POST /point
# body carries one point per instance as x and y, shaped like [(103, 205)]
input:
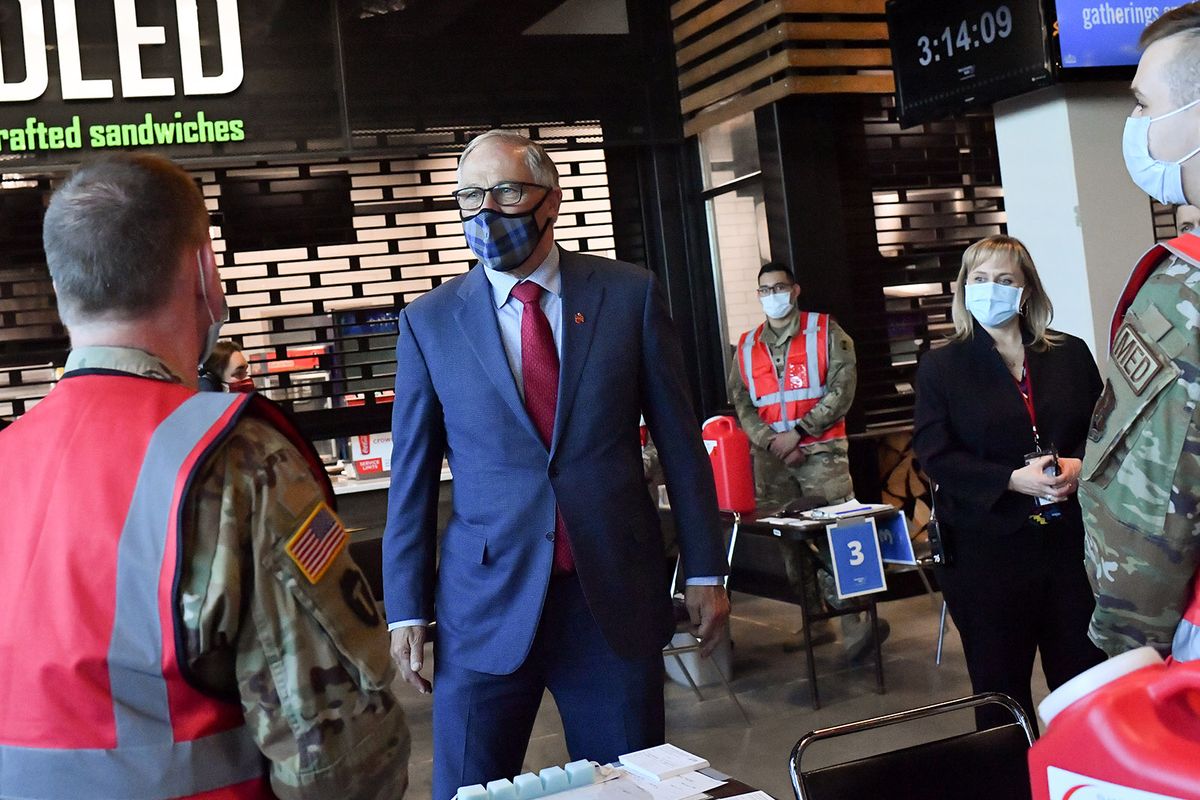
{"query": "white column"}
[(1070, 200)]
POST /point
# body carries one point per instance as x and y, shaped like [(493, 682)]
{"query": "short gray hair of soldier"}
[(1183, 72), (114, 234), (541, 166)]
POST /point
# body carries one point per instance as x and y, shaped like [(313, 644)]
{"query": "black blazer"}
[(971, 428)]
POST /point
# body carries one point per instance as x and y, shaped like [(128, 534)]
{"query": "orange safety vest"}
[(94, 701), (1186, 644), (806, 367)]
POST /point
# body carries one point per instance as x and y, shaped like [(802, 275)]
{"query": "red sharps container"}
[(1127, 729), (729, 451)]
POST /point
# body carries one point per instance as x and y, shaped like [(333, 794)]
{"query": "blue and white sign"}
[(857, 561), (894, 543), (1103, 34)]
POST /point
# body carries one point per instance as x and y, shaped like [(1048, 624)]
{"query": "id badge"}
[(1052, 469)]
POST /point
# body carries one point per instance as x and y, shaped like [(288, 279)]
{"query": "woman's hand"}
[(1030, 480)]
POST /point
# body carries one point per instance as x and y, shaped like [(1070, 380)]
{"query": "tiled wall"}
[(317, 320)]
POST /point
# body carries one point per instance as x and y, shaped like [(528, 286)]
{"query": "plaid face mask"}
[(504, 241)]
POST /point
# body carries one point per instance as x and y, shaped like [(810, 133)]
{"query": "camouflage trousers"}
[(823, 478)]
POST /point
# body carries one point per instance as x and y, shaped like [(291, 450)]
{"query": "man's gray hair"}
[(536, 158), (114, 234)]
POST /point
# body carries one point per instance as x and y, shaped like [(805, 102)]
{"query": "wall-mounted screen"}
[(952, 56), (1095, 34)]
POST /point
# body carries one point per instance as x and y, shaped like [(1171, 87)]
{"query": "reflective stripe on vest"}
[(815, 332), (147, 763), (1186, 644)]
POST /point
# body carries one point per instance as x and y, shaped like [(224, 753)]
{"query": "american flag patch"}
[(317, 543)]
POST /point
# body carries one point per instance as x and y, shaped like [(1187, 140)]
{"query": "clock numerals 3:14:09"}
[(991, 27)]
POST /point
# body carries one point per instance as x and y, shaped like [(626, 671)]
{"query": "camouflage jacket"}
[(308, 662), (840, 382), (1140, 487)]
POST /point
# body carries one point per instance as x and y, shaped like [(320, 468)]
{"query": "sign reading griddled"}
[(186, 77)]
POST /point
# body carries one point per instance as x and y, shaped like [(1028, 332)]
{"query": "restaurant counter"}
[(362, 505)]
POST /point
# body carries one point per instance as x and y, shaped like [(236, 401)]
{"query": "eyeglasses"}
[(508, 193), (779, 288)]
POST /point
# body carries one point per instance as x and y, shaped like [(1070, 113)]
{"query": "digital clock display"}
[(951, 56)]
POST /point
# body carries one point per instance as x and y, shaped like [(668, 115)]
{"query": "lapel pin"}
[(578, 317)]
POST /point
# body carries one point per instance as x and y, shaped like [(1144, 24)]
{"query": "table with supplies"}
[(663, 772), (863, 537)]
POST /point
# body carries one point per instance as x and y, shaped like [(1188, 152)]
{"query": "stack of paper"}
[(662, 762), (668, 773)]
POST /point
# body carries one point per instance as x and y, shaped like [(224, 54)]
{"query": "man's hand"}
[(1068, 481), (795, 457), (408, 651), (784, 443), (708, 607)]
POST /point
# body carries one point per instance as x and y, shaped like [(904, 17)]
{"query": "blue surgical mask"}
[(1162, 180), (992, 304), (504, 241), (777, 306), (214, 327)]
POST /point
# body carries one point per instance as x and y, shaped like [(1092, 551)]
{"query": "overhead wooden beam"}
[(737, 55)]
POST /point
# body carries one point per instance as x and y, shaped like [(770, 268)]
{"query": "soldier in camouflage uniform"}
[(1141, 472), (805, 465), (304, 655)]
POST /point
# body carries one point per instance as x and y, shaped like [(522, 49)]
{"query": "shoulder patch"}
[(317, 542), (1134, 359), (1101, 413), (1156, 324)]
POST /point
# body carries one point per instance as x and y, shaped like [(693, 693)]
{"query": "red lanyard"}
[(1022, 386)]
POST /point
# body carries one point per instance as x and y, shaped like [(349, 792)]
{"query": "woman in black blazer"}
[(1006, 386)]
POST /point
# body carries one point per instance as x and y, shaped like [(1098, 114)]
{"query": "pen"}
[(851, 511)]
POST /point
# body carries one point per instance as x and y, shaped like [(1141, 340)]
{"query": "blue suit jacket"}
[(455, 395)]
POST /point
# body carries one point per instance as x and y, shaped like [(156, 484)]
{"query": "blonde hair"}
[(1036, 310)]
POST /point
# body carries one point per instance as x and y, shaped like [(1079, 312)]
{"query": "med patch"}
[(1137, 362)]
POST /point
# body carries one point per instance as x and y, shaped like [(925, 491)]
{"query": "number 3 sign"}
[(857, 562)]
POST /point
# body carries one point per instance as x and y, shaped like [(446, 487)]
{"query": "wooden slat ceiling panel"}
[(737, 55), (829, 84)]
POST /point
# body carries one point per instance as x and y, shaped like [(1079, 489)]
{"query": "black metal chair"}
[(980, 765)]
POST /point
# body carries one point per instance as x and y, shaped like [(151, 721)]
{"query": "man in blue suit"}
[(529, 373)]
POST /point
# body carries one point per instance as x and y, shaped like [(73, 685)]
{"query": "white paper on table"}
[(661, 762), (760, 795), (680, 787), (791, 522)]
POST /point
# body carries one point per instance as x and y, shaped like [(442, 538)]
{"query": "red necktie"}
[(539, 374)]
